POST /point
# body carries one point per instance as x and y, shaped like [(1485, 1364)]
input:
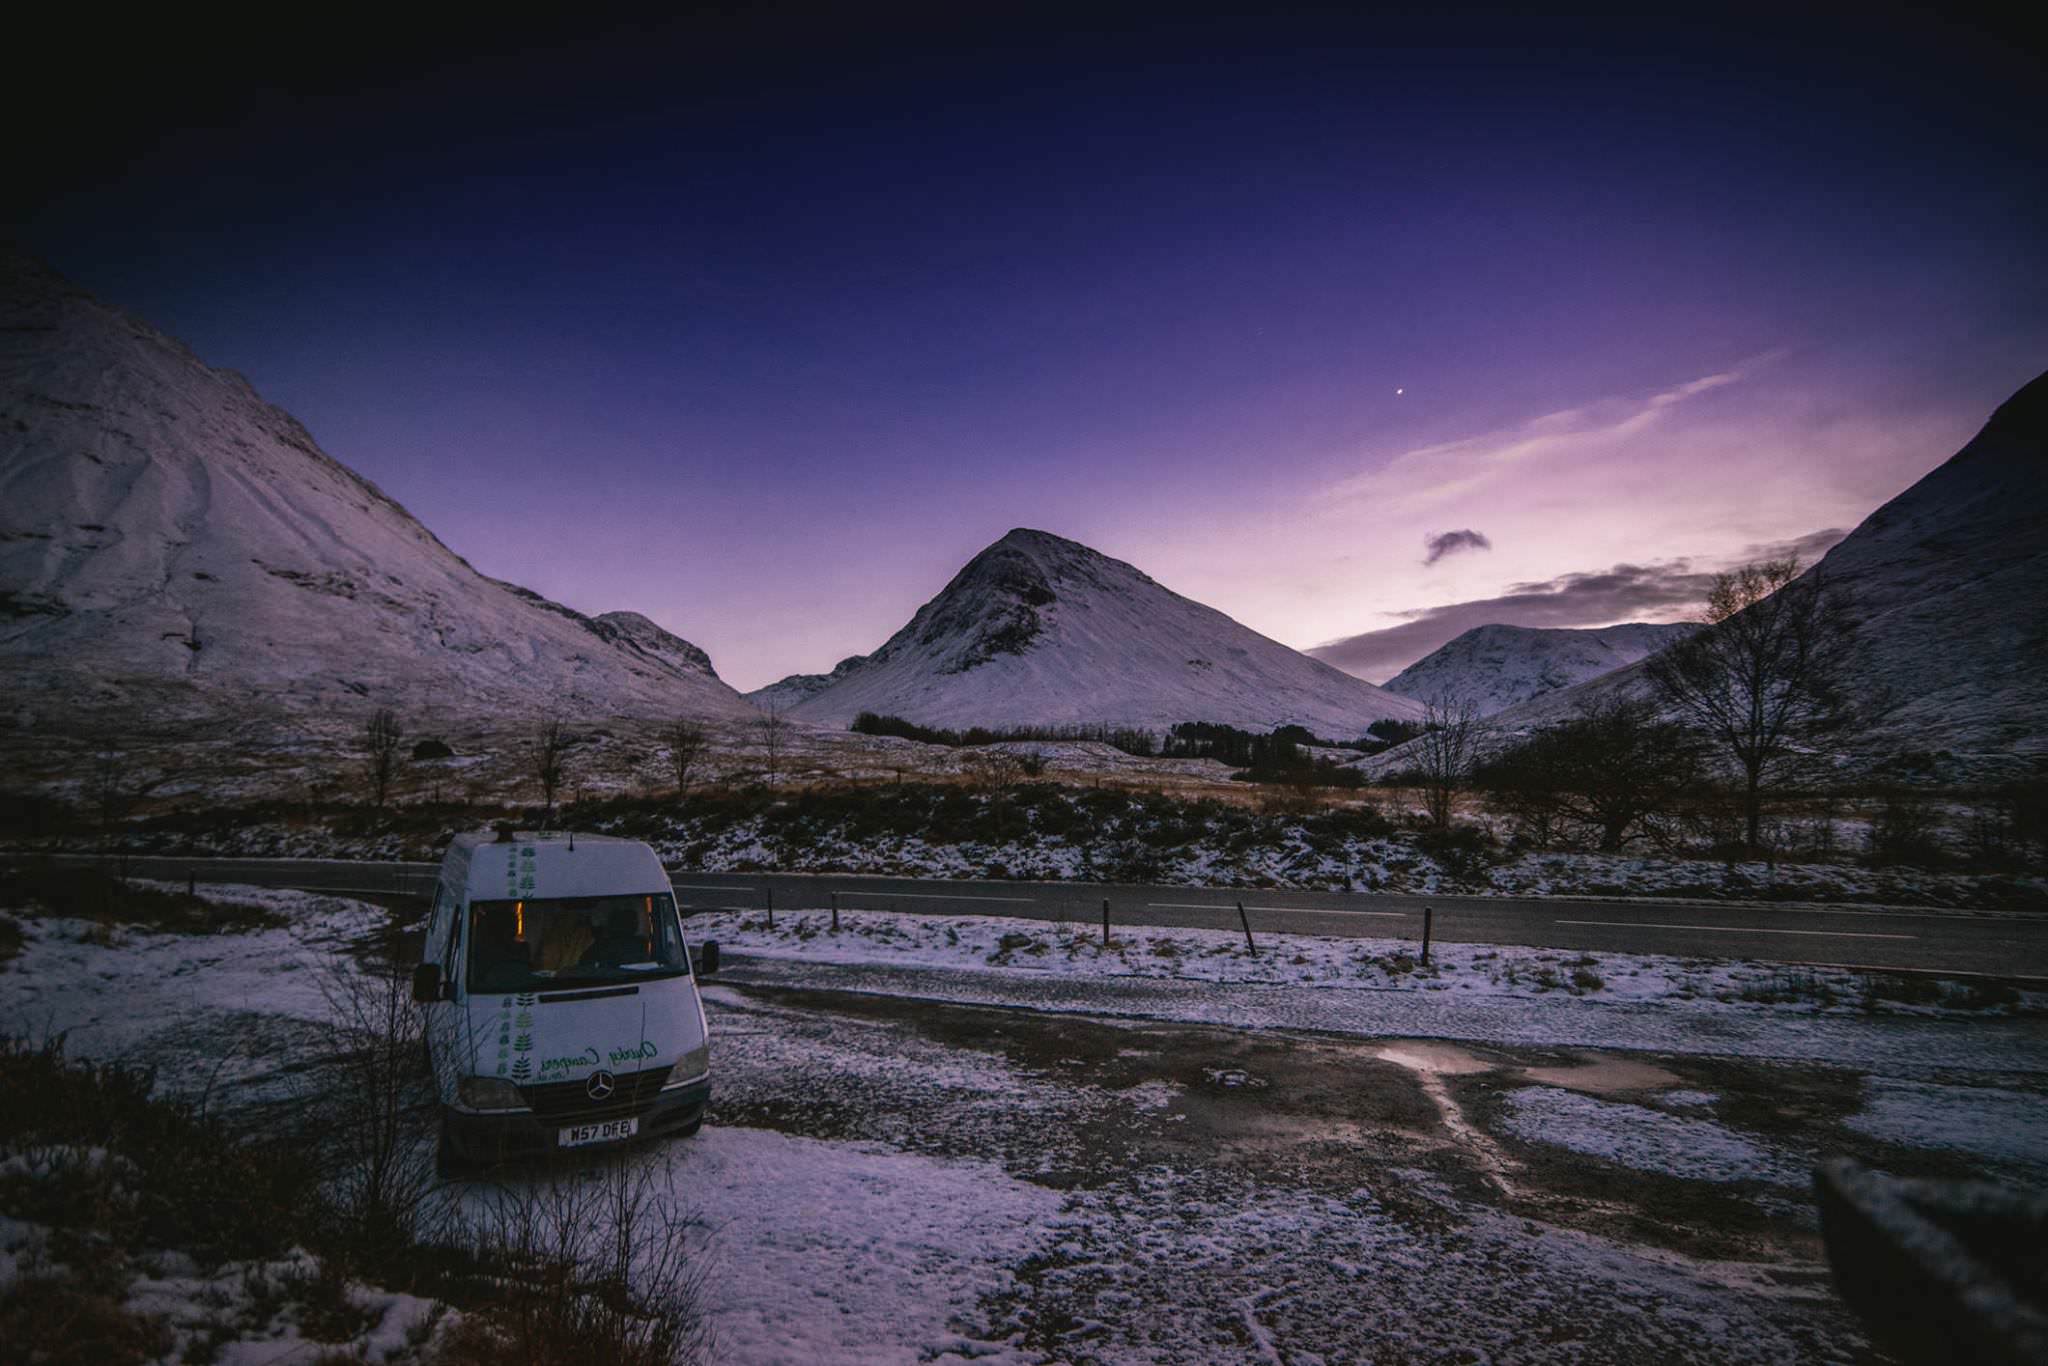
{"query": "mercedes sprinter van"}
[(561, 1007)]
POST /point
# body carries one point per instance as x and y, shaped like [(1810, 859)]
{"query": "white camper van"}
[(561, 1005)]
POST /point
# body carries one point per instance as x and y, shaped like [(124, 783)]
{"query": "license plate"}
[(611, 1131)]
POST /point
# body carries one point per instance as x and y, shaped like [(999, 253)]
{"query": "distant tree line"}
[(1128, 739), (1279, 756)]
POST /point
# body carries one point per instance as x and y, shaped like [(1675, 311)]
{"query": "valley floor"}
[(917, 1154)]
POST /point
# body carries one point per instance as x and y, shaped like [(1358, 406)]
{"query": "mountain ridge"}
[(1036, 629)]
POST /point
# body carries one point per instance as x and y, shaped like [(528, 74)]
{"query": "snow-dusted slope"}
[(785, 693), (1495, 667), (1947, 583), (1039, 630), (1950, 586), (172, 544)]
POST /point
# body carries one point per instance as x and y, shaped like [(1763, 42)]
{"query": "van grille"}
[(569, 1101)]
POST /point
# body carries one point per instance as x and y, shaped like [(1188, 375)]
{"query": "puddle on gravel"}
[(1431, 1063), (1434, 1059), (1604, 1075)]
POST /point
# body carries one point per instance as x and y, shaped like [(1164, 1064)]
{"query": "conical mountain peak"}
[(1038, 629)]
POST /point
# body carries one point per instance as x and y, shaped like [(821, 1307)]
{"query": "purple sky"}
[(763, 328)]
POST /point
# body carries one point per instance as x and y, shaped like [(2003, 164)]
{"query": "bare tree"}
[(381, 737), (107, 783), (687, 745), (1444, 753), (774, 728), (115, 786), (1764, 681), (550, 761)]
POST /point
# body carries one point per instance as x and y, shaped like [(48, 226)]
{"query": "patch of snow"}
[(1647, 1140), (2007, 1126), (849, 1251)]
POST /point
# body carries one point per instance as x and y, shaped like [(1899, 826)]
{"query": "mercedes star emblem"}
[(601, 1086)]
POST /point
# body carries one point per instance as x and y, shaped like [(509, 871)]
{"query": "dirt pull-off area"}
[(1299, 1197)]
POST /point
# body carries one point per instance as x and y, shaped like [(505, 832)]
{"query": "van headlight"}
[(690, 1066), (488, 1093)]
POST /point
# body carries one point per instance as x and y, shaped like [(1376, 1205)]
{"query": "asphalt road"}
[(2000, 944)]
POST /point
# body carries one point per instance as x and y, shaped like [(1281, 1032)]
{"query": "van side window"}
[(437, 927), (451, 949)]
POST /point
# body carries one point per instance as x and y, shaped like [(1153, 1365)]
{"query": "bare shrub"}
[(60, 1315), (1904, 830), (376, 1104), (583, 1266), (2007, 826), (1612, 772)]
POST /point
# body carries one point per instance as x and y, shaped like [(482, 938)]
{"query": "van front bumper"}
[(507, 1135)]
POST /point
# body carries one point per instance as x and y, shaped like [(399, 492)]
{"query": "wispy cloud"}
[(1667, 590), (1429, 476)]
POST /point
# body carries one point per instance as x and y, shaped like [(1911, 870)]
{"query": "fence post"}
[(1246, 921), (1428, 914), (835, 912), (769, 892), (1105, 922)]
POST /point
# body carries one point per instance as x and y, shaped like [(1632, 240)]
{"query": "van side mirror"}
[(707, 958), (426, 983)]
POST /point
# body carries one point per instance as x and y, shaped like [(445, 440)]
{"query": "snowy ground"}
[(1144, 1156), (1457, 971)]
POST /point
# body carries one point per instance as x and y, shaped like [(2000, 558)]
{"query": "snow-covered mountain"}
[(1039, 630), (172, 545), (1494, 667), (1947, 583), (785, 693)]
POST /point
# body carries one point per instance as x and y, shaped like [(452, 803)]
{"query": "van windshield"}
[(564, 941)]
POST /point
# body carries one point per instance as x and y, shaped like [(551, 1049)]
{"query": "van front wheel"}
[(448, 1165), (690, 1130)]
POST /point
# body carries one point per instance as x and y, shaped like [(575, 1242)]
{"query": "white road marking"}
[(1278, 910), (699, 887), (937, 896), (1734, 929)]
